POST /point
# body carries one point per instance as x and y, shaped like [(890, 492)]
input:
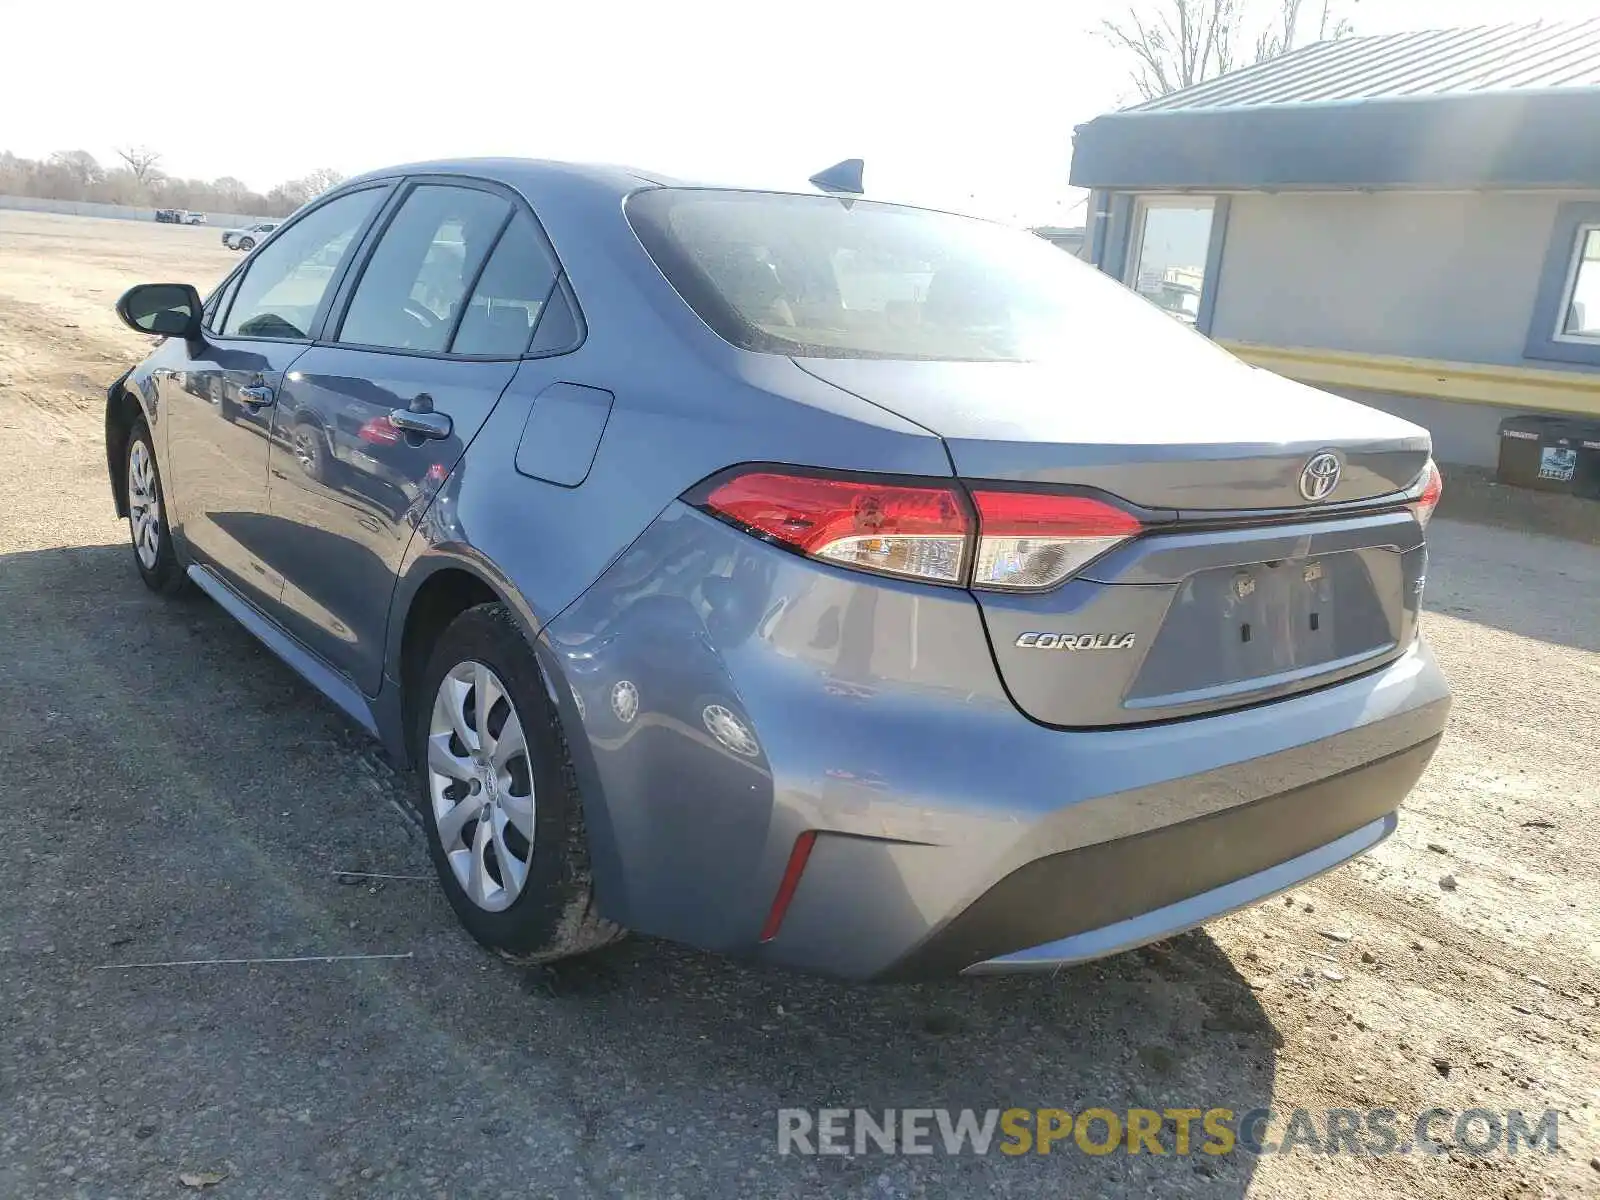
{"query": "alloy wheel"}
[(144, 505), (305, 449), (480, 784)]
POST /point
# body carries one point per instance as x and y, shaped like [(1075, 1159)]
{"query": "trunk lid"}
[(1192, 430), (1241, 590)]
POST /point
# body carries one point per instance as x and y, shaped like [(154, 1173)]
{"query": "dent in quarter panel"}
[(563, 433), (857, 699)]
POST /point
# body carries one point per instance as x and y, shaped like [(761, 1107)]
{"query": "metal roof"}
[(1492, 58)]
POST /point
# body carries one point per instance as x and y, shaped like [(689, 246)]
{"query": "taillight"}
[(1024, 541), (380, 431), (1428, 499), (916, 532), (1029, 542)]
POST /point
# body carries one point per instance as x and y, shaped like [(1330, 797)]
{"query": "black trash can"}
[(1586, 481), (1550, 453)]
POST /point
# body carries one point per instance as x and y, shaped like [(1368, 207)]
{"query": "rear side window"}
[(811, 275), (284, 284), (415, 284), (559, 330), (510, 295)]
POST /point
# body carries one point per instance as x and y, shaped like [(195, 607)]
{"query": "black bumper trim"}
[(1078, 890)]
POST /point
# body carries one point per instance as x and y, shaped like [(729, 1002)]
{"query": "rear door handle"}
[(426, 424), (257, 395)]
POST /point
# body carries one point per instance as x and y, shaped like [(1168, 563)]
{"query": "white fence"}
[(120, 212)]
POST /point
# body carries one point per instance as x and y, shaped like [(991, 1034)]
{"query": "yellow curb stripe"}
[(1474, 383)]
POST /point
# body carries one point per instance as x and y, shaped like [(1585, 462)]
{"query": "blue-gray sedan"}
[(840, 584)]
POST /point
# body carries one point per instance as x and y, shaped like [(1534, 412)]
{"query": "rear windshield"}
[(822, 277)]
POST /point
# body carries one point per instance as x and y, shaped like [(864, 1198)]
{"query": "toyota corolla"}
[(838, 584)]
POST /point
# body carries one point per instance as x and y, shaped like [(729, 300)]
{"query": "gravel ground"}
[(170, 792)]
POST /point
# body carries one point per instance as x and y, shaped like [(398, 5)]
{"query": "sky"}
[(968, 106)]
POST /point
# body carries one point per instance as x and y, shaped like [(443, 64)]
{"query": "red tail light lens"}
[(1032, 542), (1428, 500), (909, 531), (380, 431), (1024, 541)]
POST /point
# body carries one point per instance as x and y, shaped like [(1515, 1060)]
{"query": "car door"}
[(219, 419), (374, 418)]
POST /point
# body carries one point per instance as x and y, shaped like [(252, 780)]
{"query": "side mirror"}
[(164, 309)]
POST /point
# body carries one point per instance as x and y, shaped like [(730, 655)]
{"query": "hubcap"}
[(305, 451), (144, 505), (480, 783), (728, 729)]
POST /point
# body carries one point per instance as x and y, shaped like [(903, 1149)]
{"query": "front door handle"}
[(257, 395), (426, 424)]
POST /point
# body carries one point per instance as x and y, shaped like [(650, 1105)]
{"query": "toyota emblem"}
[(1320, 476)]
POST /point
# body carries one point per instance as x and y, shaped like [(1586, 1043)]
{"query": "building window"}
[(1580, 314), (1566, 318), (1168, 262), (1169, 250)]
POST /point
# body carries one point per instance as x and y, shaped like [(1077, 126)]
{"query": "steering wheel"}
[(421, 316)]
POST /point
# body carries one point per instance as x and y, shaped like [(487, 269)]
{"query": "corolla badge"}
[(1320, 476), (1076, 641)]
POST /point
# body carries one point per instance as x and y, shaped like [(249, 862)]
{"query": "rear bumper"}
[(1175, 918), (952, 833), (1231, 858)]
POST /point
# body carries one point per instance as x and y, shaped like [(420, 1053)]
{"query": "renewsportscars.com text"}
[(1177, 1131)]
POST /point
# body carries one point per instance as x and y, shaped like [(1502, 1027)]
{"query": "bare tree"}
[(321, 180), (1283, 34), (141, 161), (1177, 43), (81, 165), (292, 193)]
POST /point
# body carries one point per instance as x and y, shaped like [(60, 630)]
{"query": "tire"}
[(550, 913), (247, 244), (154, 552)]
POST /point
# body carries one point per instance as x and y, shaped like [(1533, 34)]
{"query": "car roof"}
[(534, 175), (543, 181)]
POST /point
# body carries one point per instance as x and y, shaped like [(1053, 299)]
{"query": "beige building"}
[(1412, 220)]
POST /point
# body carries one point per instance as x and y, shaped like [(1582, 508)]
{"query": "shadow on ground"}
[(172, 792), (1507, 580)]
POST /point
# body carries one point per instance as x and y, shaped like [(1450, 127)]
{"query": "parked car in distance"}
[(246, 239), (179, 216), (843, 585), (194, 218)]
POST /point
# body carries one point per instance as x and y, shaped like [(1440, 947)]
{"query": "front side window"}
[(286, 280), (813, 276), (218, 305), (510, 295), (415, 284), (1580, 314)]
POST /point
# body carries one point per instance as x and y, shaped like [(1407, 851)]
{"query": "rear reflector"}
[(1031, 542), (1432, 489), (790, 881), (914, 532)]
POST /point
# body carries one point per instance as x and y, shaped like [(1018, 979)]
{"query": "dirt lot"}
[(170, 792)]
